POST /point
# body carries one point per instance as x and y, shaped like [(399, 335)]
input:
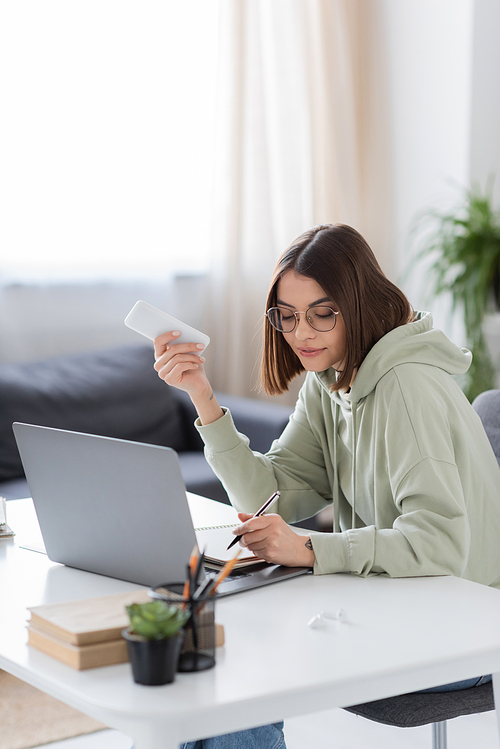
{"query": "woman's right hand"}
[(179, 367)]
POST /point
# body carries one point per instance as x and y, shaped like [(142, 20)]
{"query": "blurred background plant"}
[(462, 250)]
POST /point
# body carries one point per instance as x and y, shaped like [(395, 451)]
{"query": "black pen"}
[(212, 583), (267, 504)]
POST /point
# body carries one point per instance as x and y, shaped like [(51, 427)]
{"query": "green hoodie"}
[(403, 456)]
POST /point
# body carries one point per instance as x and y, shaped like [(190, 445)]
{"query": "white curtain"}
[(293, 148)]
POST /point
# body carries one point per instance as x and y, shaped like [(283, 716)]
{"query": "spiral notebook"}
[(214, 523)]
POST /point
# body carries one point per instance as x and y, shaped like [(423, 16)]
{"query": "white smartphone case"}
[(151, 322)]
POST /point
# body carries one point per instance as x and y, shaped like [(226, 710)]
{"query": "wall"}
[(485, 110), (429, 49), (444, 91), (485, 126)]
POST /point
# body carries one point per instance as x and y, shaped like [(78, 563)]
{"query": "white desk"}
[(400, 635)]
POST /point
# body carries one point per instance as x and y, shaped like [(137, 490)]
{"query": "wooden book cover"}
[(88, 620), (93, 655), (91, 620), (80, 657)]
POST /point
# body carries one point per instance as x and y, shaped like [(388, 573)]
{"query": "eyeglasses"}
[(285, 320)]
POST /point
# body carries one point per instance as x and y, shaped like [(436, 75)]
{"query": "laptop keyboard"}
[(210, 572)]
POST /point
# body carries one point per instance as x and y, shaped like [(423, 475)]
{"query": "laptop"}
[(118, 508)]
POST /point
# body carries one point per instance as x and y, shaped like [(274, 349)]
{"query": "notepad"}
[(214, 523), (215, 540)]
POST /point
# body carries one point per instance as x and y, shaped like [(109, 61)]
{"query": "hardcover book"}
[(87, 633), (88, 620)]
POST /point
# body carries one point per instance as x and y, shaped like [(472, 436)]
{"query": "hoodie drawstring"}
[(336, 510), (353, 462)]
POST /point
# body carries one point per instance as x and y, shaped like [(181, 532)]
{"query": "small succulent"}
[(156, 620)]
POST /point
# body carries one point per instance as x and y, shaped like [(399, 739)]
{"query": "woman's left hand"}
[(271, 539)]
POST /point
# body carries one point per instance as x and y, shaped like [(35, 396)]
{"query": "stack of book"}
[(87, 633)]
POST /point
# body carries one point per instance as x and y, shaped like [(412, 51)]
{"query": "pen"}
[(203, 588), (267, 504), (209, 586)]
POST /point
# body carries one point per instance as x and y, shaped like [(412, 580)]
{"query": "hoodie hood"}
[(416, 342)]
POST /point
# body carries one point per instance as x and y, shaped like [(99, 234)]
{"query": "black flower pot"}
[(154, 662)]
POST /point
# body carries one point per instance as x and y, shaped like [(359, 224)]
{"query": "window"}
[(106, 131)]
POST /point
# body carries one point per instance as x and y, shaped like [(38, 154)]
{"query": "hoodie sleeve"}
[(295, 465), (431, 536)]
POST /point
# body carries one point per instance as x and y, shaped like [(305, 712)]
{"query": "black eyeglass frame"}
[(296, 313)]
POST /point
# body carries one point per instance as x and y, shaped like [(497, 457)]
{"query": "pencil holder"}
[(198, 647)]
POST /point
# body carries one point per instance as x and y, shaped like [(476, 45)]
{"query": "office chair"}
[(410, 710)]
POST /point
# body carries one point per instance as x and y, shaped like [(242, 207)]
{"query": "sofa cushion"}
[(14, 489), (113, 392), (199, 477)]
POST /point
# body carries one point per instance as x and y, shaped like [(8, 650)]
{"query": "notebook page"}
[(215, 541), (214, 522)]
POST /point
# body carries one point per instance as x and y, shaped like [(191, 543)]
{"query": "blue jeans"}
[(264, 737)]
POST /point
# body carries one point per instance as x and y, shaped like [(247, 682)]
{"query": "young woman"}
[(381, 429)]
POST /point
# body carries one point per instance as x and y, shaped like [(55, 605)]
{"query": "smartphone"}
[(151, 322)]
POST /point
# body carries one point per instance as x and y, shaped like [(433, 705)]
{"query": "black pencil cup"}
[(198, 647)]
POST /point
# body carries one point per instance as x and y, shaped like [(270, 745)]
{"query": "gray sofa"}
[(117, 393)]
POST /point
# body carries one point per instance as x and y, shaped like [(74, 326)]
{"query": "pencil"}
[(188, 585), (225, 571), (208, 587)]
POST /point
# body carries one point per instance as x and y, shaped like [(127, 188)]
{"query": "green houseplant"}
[(154, 640), (463, 248)]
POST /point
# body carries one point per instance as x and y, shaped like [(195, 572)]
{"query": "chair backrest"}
[(487, 405)]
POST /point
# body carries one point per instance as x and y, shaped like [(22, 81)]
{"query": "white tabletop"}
[(399, 635)]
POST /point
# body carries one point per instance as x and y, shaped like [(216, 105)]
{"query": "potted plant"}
[(464, 249), (154, 640)]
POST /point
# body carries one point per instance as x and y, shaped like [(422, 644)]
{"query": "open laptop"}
[(118, 508)]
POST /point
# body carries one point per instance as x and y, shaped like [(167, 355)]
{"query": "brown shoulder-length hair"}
[(341, 262)]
